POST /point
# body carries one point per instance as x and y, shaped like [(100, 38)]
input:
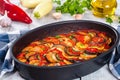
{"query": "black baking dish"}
[(67, 72)]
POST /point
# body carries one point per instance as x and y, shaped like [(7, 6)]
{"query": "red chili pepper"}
[(92, 50), (14, 12)]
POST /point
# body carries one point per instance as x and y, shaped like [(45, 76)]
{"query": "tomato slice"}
[(52, 40), (83, 39), (72, 52), (35, 43), (21, 55), (67, 42), (59, 53), (62, 63), (79, 38), (42, 63), (92, 50), (98, 39), (44, 49)]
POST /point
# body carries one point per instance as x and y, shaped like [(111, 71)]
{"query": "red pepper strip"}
[(73, 53), (92, 50), (98, 39), (2, 7), (62, 63), (14, 12), (21, 55)]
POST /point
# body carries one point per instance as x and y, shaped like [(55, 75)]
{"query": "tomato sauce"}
[(66, 48)]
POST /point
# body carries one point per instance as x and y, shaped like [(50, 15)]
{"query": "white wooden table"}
[(101, 74)]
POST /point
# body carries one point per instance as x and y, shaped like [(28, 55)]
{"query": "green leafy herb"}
[(57, 1), (109, 20), (71, 36), (57, 36), (119, 19), (74, 6)]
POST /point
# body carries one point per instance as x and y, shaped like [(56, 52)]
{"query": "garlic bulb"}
[(57, 15), (5, 21), (78, 16)]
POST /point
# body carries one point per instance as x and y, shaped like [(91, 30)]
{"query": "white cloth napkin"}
[(6, 40), (114, 64)]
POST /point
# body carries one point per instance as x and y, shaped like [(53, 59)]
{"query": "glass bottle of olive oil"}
[(103, 8)]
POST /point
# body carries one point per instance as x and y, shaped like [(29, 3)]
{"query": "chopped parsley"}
[(109, 20), (74, 6)]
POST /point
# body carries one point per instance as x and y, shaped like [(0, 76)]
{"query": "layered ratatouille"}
[(66, 48)]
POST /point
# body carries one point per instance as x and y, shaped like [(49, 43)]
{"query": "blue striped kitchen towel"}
[(6, 40), (114, 64)]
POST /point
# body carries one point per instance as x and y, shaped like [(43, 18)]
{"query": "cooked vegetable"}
[(42, 9), (65, 49), (70, 51), (85, 56)]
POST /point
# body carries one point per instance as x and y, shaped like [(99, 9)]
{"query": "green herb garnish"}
[(71, 36), (109, 20), (119, 19), (57, 1), (57, 36), (74, 6)]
